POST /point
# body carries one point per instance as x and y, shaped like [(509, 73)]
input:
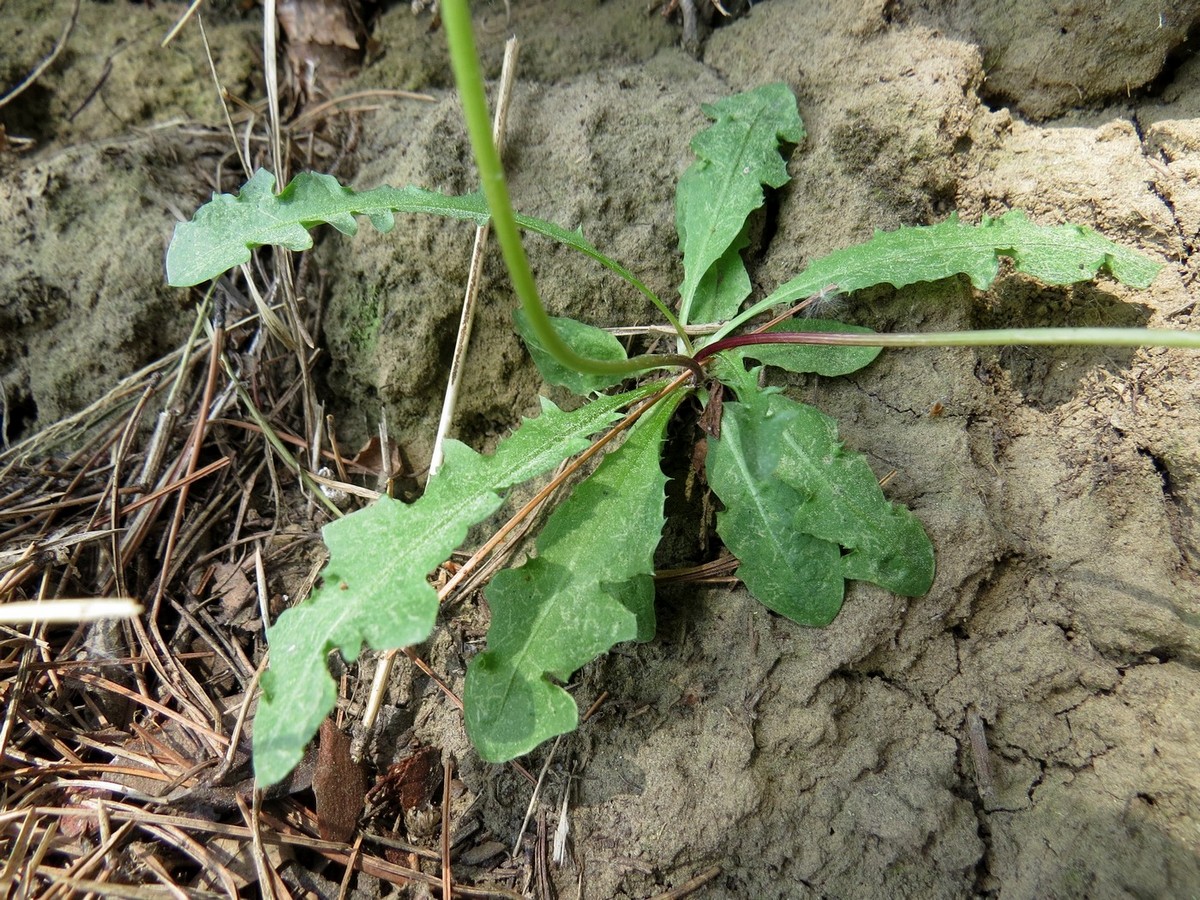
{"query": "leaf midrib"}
[(685, 307)]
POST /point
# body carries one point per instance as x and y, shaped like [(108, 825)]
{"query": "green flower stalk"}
[(467, 75)]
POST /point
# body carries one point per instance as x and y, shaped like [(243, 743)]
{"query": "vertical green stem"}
[(465, 61)]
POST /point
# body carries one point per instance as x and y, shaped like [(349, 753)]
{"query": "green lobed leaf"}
[(586, 340), (1056, 254), (737, 154), (223, 231), (795, 498), (840, 500), (789, 572), (829, 361), (375, 588), (589, 587)]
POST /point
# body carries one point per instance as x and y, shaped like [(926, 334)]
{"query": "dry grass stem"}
[(47, 60), (690, 886), (475, 272)]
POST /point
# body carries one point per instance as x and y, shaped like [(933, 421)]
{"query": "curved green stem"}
[(999, 337), (465, 61)]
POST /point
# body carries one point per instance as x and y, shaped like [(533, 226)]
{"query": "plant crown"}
[(802, 513)]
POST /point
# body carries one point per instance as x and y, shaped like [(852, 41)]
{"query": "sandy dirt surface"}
[(1031, 727)]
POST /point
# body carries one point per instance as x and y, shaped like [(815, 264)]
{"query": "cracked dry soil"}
[(1029, 728)]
